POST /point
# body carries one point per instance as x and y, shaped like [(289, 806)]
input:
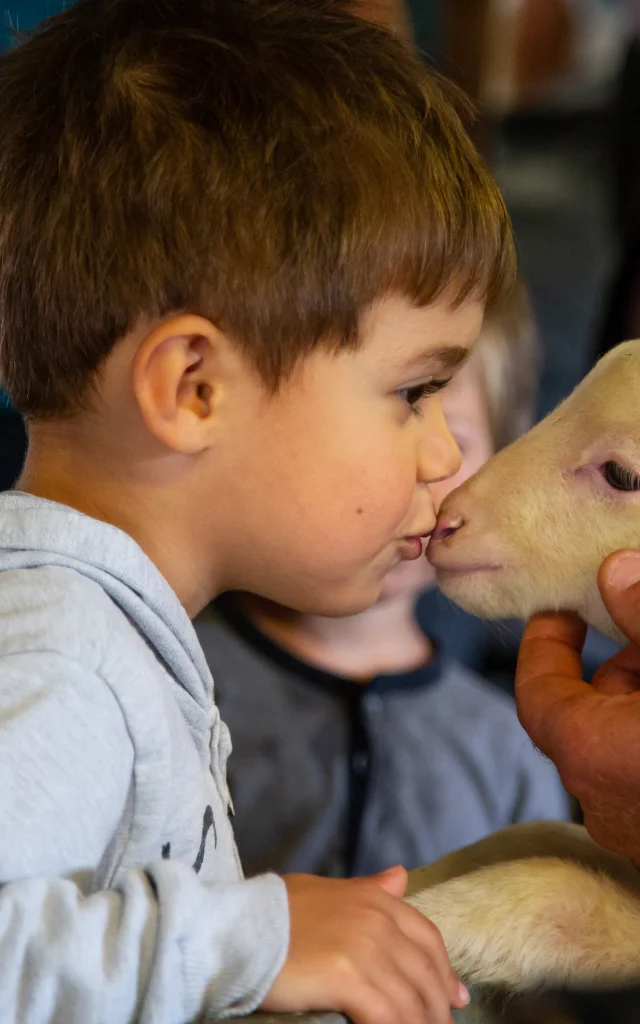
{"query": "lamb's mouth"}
[(453, 570)]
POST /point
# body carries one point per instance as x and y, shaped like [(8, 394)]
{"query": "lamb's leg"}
[(520, 842), (513, 913)]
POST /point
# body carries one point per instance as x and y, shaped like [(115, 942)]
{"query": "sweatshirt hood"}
[(35, 532)]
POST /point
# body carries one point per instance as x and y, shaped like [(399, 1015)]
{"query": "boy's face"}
[(326, 484), (466, 412)]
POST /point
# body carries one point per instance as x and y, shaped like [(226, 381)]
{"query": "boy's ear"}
[(178, 375)]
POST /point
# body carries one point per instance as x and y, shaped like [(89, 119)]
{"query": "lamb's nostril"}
[(447, 526), (447, 532)]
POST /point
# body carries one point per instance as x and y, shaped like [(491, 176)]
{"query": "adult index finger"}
[(549, 685)]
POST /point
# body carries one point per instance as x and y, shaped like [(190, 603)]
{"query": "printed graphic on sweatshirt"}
[(207, 824)]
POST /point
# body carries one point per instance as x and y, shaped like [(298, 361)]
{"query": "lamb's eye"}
[(619, 478)]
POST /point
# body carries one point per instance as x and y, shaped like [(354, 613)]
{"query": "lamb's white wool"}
[(542, 903), (530, 530), (535, 904)]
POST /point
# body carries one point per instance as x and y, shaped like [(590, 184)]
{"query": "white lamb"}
[(542, 903)]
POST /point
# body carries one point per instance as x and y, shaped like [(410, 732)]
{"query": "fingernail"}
[(463, 995), (625, 571)]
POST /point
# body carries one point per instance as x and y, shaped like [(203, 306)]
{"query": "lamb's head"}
[(529, 531)]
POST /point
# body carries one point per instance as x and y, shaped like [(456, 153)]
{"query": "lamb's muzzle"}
[(545, 512)]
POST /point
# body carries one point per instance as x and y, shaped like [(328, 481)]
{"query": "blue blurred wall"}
[(24, 14)]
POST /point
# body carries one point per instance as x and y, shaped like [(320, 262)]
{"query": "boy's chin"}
[(357, 595), (348, 602), (352, 604), (404, 580), (407, 579), (330, 601)]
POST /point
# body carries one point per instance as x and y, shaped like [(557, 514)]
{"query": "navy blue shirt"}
[(334, 777)]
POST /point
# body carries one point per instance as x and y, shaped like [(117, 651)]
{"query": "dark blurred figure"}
[(13, 447), (627, 142), (622, 1007), (621, 319)]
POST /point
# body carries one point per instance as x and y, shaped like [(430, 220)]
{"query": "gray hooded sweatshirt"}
[(122, 896)]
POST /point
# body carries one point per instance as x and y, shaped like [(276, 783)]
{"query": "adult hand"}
[(357, 947), (591, 732)]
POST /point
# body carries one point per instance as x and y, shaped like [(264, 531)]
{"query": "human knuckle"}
[(429, 937), (439, 1011), (430, 979), (343, 968), (410, 1006), (426, 965), (376, 920), (429, 930), (382, 1010)]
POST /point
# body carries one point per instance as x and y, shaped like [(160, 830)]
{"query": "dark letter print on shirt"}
[(207, 823)]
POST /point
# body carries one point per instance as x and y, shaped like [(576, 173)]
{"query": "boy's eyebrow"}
[(447, 358)]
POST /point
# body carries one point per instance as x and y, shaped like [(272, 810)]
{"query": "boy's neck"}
[(384, 640), (73, 477)]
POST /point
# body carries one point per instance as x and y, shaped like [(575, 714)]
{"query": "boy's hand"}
[(356, 947)]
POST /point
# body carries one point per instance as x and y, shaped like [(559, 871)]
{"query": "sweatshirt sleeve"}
[(161, 946)]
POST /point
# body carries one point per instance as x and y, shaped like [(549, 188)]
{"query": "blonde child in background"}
[(358, 743)]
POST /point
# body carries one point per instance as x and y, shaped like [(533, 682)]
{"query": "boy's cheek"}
[(362, 496)]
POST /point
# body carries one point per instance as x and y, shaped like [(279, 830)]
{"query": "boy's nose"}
[(441, 457)]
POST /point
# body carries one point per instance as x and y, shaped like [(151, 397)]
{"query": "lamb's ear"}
[(541, 921)]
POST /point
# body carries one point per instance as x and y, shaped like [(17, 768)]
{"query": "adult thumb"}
[(619, 582), (393, 880)]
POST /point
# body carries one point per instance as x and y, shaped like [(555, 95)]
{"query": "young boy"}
[(358, 743), (243, 244)]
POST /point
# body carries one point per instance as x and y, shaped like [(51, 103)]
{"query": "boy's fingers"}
[(365, 1004), (406, 997), (459, 993), (432, 977), (393, 880), (423, 999), (423, 933)]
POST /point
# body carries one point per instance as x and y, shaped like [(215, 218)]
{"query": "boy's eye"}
[(414, 395)]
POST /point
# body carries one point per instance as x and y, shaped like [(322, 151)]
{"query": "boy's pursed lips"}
[(412, 546)]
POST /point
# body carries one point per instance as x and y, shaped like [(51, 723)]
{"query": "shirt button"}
[(373, 702)]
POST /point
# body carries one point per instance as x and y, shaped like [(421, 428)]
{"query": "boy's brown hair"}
[(269, 164)]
